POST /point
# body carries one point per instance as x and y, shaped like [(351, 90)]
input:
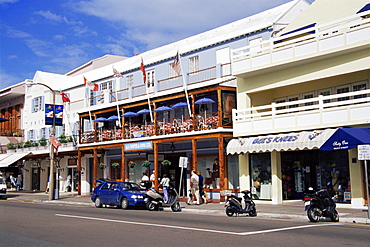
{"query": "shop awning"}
[(305, 140), (7, 161), (347, 138)]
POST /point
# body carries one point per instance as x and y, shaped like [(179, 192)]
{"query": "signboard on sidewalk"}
[(363, 152), (183, 162)]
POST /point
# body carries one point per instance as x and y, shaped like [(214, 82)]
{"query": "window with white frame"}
[(129, 80), (325, 92), (106, 85), (173, 72), (308, 95), (32, 134), (43, 132), (280, 100), (358, 87), (37, 104), (150, 78), (194, 64), (293, 98), (343, 89)]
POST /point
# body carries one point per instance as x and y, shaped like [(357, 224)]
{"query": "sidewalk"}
[(288, 210)]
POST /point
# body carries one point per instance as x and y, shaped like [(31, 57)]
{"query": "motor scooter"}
[(155, 200), (234, 205), (320, 204)]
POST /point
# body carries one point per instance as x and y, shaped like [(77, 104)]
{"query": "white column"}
[(277, 186), (244, 176), (356, 177)]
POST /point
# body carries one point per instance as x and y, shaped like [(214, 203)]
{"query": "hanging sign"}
[(363, 152), (54, 111)]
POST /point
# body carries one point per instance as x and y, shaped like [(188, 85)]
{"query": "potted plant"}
[(63, 138), (43, 141), (115, 165), (27, 144), (146, 163), (20, 145), (131, 164), (102, 165), (34, 144), (10, 145), (166, 163)]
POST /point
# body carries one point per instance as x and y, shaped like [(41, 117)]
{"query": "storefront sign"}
[(276, 139), (139, 146)]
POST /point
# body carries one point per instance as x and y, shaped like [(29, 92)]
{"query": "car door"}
[(114, 194), (104, 193)]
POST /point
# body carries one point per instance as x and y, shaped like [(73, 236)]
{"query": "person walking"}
[(201, 179), (194, 185), (165, 182)]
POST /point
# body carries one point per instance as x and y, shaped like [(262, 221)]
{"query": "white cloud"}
[(7, 80), (8, 1), (83, 31), (17, 33), (56, 18)]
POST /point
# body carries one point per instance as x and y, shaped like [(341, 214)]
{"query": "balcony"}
[(345, 34), (344, 109)]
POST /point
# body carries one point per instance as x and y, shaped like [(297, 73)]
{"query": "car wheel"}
[(229, 211), (313, 214), (335, 216), (176, 207), (98, 203), (124, 203)]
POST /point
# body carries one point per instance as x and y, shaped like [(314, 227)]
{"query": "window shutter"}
[(42, 107), (32, 105)]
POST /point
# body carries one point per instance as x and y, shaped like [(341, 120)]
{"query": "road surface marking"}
[(197, 229)]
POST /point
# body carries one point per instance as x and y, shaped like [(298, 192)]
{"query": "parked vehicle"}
[(154, 200), (234, 205), (2, 187), (320, 204), (120, 194)]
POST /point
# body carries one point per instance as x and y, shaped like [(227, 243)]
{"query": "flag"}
[(65, 98), (116, 73), (176, 64), (55, 142), (142, 68), (92, 86)]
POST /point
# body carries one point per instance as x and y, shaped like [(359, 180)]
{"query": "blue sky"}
[(58, 36)]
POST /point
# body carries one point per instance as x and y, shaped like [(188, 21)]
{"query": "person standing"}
[(216, 174), (165, 182), (194, 185), (12, 182), (145, 181), (201, 184)]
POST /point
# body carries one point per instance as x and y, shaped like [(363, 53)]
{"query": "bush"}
[(10, 145), (27, 144), (63, 138), (34, 144), (43, 141), (20, 145)]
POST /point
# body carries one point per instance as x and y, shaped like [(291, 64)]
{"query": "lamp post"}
[(51, 178)]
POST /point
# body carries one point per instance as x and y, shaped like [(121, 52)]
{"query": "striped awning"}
[(12, 158), (305, 140)]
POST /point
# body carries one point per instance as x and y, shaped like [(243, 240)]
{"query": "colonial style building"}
[(302, 100)]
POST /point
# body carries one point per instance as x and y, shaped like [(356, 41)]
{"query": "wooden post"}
[(221, 159), (194, 164), (156, 170), (123, 167), (95, 152)]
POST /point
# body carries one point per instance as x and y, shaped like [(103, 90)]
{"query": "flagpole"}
[(69, 123), (142, 68), (185, 86), (119, 119), (86, 97)]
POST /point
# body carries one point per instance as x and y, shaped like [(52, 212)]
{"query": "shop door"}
[(36, 178), (72, 176)]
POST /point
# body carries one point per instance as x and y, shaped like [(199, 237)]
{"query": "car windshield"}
[(129, 186)]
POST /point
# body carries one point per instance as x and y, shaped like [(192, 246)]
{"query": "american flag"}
[(92, 86), (176, 64), (116, 73), (142, 68)]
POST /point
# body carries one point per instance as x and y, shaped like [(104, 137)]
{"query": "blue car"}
[(114, 193)]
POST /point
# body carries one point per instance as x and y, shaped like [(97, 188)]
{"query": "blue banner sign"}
[(54, 111), (139, 146)]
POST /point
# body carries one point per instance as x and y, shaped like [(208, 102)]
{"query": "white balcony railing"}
[(320, 112), (307, 42)]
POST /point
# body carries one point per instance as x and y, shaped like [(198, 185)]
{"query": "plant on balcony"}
[(102, 165), (43, 141), (131, 164), (63, 138), (166, 163), (27, 144), (34, 144), (20, 145), (115, 165), (146, 163), (10, 145), (70, 139)]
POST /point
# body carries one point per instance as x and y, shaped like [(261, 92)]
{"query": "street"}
[(26, 223)]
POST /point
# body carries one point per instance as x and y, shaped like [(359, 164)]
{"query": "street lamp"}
[(51, 180)]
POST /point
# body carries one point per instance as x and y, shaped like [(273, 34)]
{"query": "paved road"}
[(39, 224)]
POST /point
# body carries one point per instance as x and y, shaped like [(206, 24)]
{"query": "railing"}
[(12, 132), (170, 83), (307, 42), (322, 111), (202, 75)]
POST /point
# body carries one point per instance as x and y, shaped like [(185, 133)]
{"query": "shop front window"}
[(260, 165), (209, 168)]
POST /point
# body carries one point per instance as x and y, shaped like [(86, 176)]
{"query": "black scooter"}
[(155, 200), (234, 205), (320, 204)]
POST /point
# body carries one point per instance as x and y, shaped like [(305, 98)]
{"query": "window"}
[(129, 80), (358, 87), (37, 104), (194, 64), (150, 78), (106, 85), (325, 92), (173, 72), (309, 95), (255, 46), (343, 89), (281, 100), (293, 98), (43, 132)]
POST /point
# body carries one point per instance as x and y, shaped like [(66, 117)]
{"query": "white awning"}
[(305, 140), (12, 158)]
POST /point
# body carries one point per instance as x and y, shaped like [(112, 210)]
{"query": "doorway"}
[(36, 178), (72, 177)]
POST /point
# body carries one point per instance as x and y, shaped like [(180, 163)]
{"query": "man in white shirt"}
[(194, 185)]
